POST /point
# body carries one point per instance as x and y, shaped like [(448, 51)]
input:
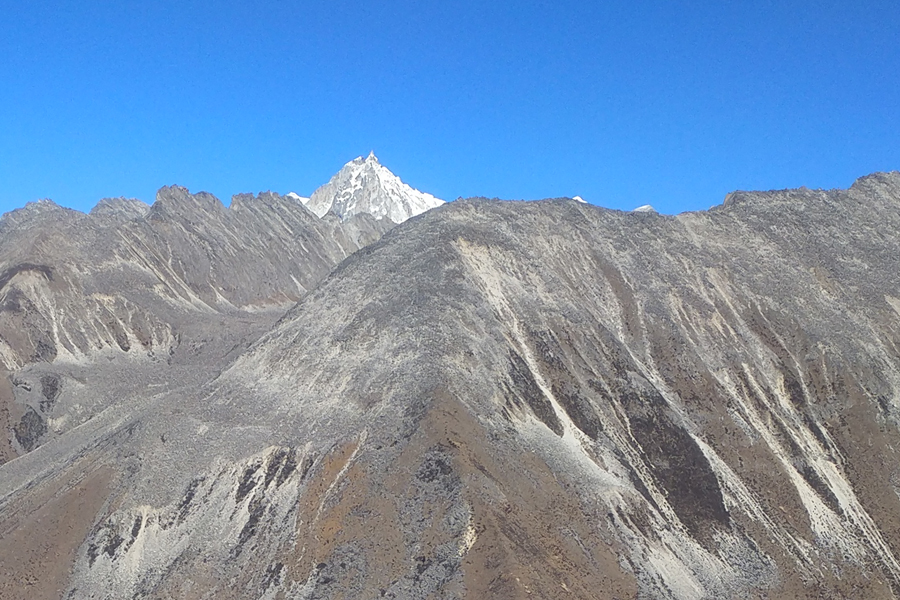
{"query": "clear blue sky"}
[(625, 103)]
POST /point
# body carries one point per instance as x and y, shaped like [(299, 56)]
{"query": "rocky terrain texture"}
[(145, 290), (495, 400)]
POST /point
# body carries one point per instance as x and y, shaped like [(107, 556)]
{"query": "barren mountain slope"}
[(114, 302), (518, 400)]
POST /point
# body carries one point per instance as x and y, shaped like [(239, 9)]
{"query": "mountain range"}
[(369, 393)]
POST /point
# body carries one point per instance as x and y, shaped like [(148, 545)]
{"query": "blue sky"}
[(624, 103)]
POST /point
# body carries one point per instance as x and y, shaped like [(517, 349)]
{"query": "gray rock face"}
[(143, 288), (121, 209), (505, 400)]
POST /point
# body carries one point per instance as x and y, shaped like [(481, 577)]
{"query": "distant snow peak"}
[(297, 197), (646, 208), (364, 185), (579, 199)]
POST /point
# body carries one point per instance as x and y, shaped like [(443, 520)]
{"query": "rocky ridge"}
[(146, 289)]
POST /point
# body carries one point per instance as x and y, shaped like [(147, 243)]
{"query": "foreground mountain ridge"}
[(496, 399)]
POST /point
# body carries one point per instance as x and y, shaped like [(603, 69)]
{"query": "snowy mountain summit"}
[(365, 185)]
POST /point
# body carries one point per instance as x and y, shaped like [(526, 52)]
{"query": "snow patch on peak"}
[(297, 197), (579, 199), (646, 208), (365, 185)]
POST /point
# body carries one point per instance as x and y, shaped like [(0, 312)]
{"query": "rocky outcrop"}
[(120, 209)]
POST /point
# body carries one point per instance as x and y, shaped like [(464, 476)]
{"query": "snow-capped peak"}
[(365, 185), (297, 197), (646, 208), (579, 199)]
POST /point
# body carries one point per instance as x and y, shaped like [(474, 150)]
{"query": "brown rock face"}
[(496, 400), (42, 532)]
